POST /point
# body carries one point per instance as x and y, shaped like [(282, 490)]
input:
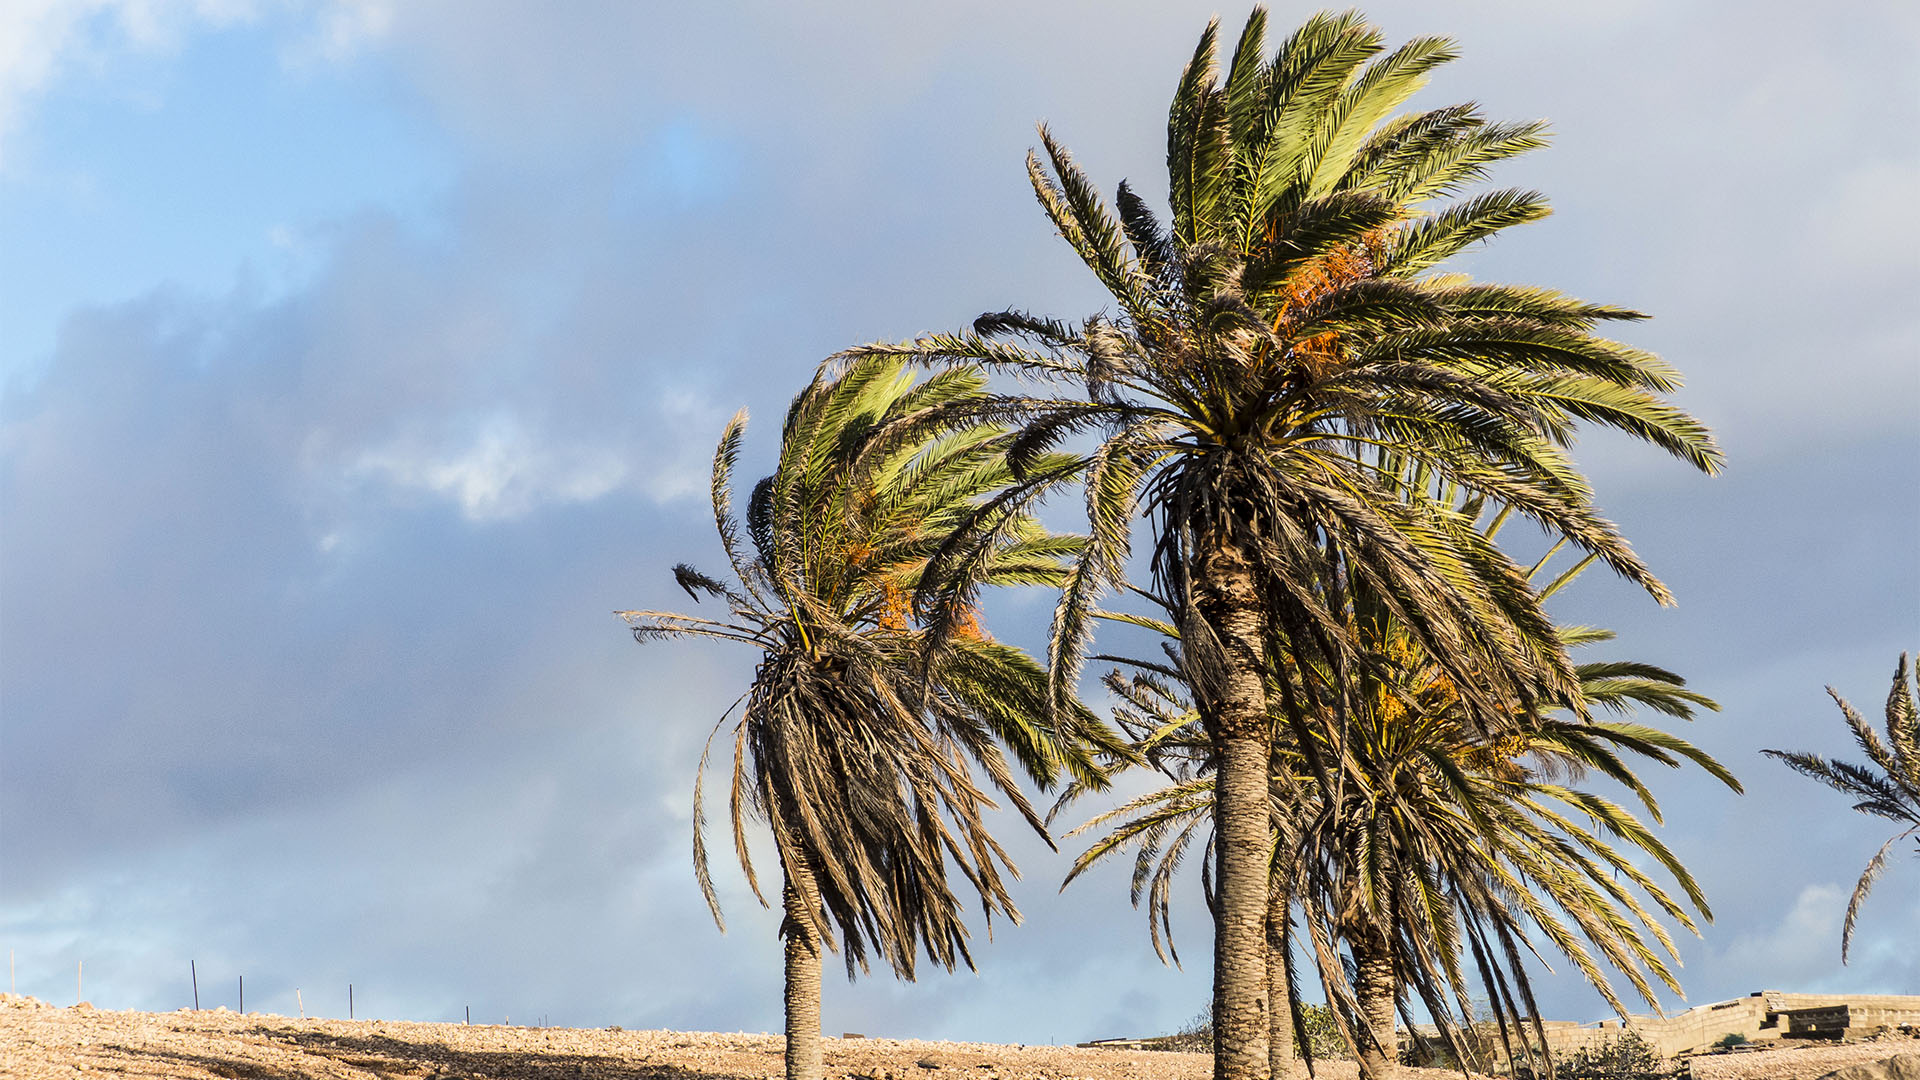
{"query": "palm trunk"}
[(1242, 740), (1374, 988), (803, 980), (1279, 998)]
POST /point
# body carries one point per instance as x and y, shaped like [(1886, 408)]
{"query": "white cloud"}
[(345, 27), (1814, 918), (38, 38), (503, 468), (1803, 949), (502, 472)]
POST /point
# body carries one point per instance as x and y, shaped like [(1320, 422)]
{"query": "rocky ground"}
[(40, 1041), (1801, 1063)]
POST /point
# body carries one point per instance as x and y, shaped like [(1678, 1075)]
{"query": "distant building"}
[(1761, 1017)]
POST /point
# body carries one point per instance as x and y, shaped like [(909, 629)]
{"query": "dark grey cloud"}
[(307, 665)]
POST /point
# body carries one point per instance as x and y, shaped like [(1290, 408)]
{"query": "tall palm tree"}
[(1288, 318), (871, 720), (1441, 841), (1893, 792)]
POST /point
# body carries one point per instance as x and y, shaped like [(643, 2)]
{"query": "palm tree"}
[(1440, 842), (1442, 835), (871, 719), (1288, 319), (1445, 845), (1893, 792)]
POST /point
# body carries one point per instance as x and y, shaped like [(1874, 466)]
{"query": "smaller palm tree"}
[(880, 719), (1440, 842), (1893, 792)]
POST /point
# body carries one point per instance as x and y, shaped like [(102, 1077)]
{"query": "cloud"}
[(345, 28), (39, 38), (229, 502), (1867, 216), (1799, 951), (1798, 948), (504, 473)]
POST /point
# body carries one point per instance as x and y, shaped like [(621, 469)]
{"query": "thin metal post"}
[(194, 967), (349, 1001), (243, 995)]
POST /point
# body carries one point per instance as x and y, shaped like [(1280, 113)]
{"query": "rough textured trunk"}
[(1242, 739), (1374, 987), (1280, 1056), (803, 982)]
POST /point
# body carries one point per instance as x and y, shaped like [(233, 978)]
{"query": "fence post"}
[(194, 968)]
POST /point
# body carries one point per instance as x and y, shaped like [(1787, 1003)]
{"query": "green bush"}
[(1323, 1034), (1625, 1058)]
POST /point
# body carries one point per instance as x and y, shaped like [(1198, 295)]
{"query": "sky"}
[(358, 359)]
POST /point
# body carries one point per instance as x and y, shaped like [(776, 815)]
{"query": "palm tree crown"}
[(879, 705), (1892, 792), (850, 745), (1289, 319)]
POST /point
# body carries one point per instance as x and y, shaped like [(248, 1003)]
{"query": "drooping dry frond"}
[(1888, 786)]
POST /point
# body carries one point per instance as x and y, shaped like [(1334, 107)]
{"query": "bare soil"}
[(39, 1041)]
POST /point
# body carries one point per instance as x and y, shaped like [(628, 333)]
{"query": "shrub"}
[(1628, 1057), (1323, 1034)]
